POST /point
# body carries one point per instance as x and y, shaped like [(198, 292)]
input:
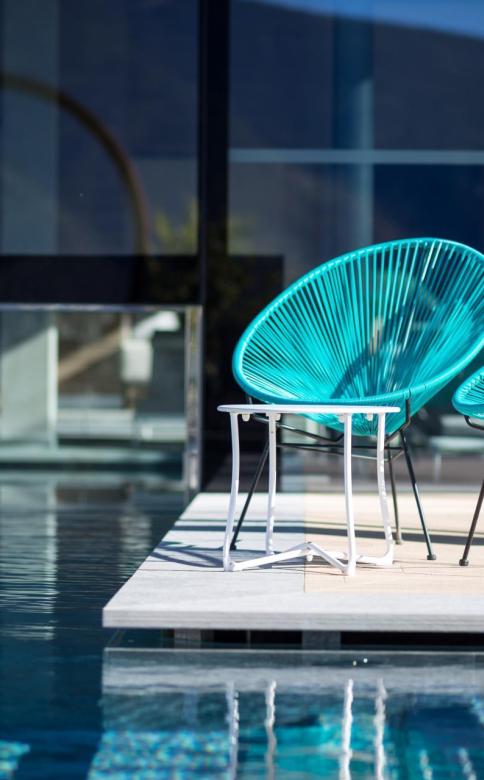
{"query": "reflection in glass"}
[(114, 388), (115, 138), (326, 98)]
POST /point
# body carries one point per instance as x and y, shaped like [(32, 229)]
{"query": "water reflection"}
[(68, 540), (189, 714), (30, 553)]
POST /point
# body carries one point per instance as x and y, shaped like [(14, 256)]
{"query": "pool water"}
[(66, 546), (77, 701), (283, 714)]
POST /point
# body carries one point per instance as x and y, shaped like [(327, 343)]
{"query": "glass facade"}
[(353, 123), (198, 153), (99, 127)]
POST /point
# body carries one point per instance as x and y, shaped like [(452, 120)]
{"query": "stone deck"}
[(181, 585)]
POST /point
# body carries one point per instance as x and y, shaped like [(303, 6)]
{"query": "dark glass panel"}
[(281, 77), (98, 127), (430, 200), (426, 87)]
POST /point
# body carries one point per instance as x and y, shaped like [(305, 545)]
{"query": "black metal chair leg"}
[(431, 555), (398, 533), (463, 561), (255, 482)]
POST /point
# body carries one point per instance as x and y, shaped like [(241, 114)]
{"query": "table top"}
[(306, 409)]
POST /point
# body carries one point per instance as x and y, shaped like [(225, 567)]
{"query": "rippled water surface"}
[(73, 707), (66, 545)]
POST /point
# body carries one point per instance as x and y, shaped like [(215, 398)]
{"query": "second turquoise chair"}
[(389, 324)]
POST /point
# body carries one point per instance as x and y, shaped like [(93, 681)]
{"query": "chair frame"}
[(334, 447), (464, 561)]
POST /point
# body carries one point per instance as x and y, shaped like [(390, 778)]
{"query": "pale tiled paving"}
[(181, 584), (448, 519)]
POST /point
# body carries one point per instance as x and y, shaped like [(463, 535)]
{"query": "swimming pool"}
[(283, 714), (76, 703), (66, 545)]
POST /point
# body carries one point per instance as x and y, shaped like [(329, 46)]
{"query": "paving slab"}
[(181, 585)]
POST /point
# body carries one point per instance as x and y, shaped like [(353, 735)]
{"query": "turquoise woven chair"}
[(389, 324), (469, 400)]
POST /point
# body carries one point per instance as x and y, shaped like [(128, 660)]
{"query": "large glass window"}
[(353, 122), (98, 166), (98, 127)]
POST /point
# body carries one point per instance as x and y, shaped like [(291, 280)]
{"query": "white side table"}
[(308, 549)]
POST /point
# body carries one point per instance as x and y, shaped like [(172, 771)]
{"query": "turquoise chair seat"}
[(388, 324), (469, 397)]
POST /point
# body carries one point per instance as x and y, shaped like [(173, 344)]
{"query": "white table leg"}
[(387, 558), (329, 556), (350, 520), (299, 551), (271, 499), (234, 490)]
